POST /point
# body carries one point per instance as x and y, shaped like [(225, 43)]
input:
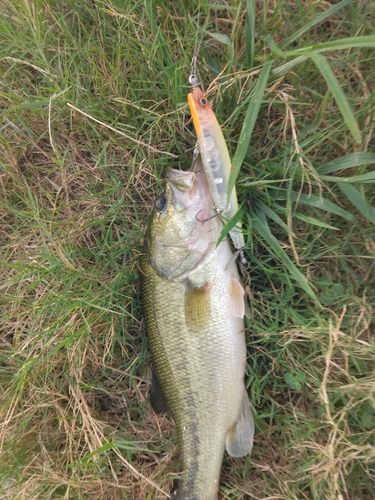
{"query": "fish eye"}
[(203, 101), (161, 203)]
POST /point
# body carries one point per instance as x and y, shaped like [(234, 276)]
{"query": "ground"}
[(93, 100)]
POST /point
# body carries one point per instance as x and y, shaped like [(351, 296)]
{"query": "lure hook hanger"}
[(194, 82), (193, 78), (195, 157)]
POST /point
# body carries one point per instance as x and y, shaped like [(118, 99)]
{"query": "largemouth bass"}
[(194, 306)]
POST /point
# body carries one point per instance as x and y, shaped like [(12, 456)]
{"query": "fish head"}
[(177, 239)]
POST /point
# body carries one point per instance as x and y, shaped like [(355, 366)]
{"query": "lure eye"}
[(203, 101), (161, 203)]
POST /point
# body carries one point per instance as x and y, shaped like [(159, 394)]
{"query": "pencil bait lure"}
[(214, 153)]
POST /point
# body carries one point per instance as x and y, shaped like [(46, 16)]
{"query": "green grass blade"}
[(226, 41), (358, 200), (368, 177), (87, 458), (273, 216), (261, 226), (320, 18), (211, 62), (349, 161), (221, 38), (337, 92), (263, 182), (317, 202), (125, 444), (274, 48), (314, 221), (358, 42), (285, 68), (248, 125), (230, 225), (250, 33)]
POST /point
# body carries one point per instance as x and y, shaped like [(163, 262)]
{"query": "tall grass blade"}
[(368, 177), (230, 225), (320, 18), (221, 38), (211, 62), (261, 226), (317, 202), (87, 458), (274, 48), (226, 41), (349, 161), (273, 216), (358, 200), (248, 125), (285, 68), (314, 221), (337, 92), (250, 33), (358, 42)]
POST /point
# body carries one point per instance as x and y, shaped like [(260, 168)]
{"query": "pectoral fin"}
[(237, 295), (239, 439), (158, 402), (197, 306)]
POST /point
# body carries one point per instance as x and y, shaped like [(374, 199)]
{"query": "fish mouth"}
[(183, 186), (181, 179), (191, 187)]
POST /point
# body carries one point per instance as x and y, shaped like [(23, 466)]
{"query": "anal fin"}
[(239, 439), (158, 402)]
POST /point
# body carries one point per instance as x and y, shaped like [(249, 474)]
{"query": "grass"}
[(93, 99)]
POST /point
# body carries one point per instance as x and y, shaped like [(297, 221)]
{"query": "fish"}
[(194, 305), (215, 158)]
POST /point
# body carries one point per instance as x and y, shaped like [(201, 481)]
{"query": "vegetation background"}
[(93, 103)]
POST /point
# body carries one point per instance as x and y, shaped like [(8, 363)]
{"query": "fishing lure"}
[(214, 153)]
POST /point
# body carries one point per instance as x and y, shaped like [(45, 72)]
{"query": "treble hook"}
[(195, 157), (193, 78), (208, 219)]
